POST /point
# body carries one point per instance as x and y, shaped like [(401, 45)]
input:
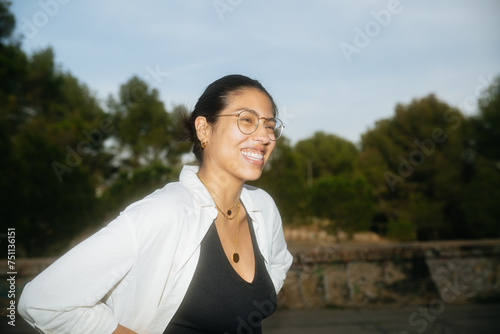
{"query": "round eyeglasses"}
[(248, 122)]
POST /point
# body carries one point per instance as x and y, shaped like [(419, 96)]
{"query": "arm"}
[(281, 258), (66, 297)]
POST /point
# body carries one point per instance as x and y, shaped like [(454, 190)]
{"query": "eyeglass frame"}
[(258, 121)]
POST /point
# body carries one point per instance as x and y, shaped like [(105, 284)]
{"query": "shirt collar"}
[(191, 181), (201, 195)]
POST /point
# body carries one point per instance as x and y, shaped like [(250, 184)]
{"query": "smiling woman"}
[(202, 255)]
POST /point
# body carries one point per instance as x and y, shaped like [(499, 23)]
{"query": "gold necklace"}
[(236, 256), (229, 212)]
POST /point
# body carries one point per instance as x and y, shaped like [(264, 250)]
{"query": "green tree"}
[(421, 147), (7, 21), (333, 184), (178, 146), (47, 212), (285, 179), (13, 69), (60, 160), (326, 155), (427, 215), (370, 165), (480, 203), (347, 202), (44, 114), (144, 128), (488, 123)]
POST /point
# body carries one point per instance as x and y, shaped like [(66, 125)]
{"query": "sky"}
[(332, 66)]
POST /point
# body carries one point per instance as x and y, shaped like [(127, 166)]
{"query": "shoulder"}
[(257, 193), (171, 201), (260, 198)]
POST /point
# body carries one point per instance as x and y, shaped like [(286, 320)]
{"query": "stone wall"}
[(401, 274)]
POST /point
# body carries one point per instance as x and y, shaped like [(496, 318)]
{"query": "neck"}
[(227, 187)]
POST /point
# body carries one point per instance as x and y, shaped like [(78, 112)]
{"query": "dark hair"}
[(213, 100)]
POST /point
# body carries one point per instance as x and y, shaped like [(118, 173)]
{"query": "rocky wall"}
[(402, 274)]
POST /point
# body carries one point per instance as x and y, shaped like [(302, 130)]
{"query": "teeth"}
[(253, 155)]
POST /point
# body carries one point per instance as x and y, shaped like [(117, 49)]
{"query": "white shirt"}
[(136, 270)]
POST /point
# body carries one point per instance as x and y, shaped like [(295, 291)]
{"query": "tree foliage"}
[(345, 201), (285, 174), (419, 158), (55, 147), (327, 154), (482, 189), (7, 21), (42, 122), (143, 125)]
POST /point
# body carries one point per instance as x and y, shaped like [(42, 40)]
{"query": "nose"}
[(261, 133)]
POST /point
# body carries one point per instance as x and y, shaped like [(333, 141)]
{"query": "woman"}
[(202, 255)]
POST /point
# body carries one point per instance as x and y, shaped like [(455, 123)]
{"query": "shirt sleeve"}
[(281, 257), (67, 296)]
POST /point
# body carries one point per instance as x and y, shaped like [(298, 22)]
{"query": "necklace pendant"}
[(229, 212), (236, 257)]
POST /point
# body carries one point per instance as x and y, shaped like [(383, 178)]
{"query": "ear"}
[(202, 128)]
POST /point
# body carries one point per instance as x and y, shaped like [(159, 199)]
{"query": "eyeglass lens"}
[(248, 122)]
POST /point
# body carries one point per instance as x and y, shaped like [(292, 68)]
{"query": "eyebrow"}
[(252, 110)]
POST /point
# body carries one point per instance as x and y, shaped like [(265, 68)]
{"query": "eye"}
[(249, 119), (271, 124)]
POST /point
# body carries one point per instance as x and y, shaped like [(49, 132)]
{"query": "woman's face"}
[(232, 153)]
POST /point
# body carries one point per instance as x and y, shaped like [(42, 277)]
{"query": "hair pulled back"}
[(213, 100)]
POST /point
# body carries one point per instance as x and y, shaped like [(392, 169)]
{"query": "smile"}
[(253, 155)]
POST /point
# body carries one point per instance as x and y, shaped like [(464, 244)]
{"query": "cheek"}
[(229, 145), (271, 147), (270, 150)]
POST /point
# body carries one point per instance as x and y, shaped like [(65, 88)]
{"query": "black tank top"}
[(218, 299)]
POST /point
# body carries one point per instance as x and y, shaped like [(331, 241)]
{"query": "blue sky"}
[(333, 66)]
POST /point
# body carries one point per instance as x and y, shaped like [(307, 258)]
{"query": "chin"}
[(255, 178), (252, 174)]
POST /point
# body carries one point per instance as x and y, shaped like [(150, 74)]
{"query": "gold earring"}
[(203, 144)]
